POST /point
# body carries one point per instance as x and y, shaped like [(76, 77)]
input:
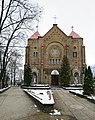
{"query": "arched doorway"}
[(34, 77), (54, 77), (76, 78)]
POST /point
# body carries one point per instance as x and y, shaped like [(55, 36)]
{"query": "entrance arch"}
[(76, 78), (34, 78), (54, 77)]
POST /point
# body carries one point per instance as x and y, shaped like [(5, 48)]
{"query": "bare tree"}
[(16, 17)]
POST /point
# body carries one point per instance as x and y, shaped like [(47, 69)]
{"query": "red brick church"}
[(44, 55)]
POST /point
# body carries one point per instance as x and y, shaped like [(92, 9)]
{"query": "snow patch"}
[(80, 92), (77, 91), (35, 106), (45, 96), (3, 89), (55, 112)]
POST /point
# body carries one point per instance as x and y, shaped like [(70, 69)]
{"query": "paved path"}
[(73, 105), (17, 105)]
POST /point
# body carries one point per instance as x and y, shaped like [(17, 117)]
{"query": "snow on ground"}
[(77, 91), (3, 89), (72, 88), (44, 96), (91, 97), (80, 92), (55, 112)]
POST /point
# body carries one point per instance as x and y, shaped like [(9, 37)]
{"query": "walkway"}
[(72, 105), (17, 105)]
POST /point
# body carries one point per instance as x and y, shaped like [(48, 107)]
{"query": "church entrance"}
[(34, 80), (76, 78), (54, 77)]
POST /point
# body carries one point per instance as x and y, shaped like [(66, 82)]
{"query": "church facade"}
[(44, 54)]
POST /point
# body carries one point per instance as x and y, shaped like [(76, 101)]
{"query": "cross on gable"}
[(37, 26), (55, 19), (72, 28)]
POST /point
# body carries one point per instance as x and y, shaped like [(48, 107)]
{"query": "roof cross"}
[(37, 26), (72, 28), (55, 19)]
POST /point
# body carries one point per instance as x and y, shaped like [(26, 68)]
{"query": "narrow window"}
[(50, 61), (56, 61), (34, 54), (75, 54), (53, 61)]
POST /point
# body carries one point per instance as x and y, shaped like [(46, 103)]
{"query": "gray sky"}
[(77, 13)]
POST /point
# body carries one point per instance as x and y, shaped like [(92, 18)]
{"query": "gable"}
[(55, 31), (74, 35)]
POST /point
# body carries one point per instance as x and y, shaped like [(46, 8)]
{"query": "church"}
[(44, 54)]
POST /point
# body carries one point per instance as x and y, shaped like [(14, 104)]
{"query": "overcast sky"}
[(77, 13)]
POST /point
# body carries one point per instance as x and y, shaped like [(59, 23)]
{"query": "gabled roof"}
[(74, 35), (35, 35), (57, 28)]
